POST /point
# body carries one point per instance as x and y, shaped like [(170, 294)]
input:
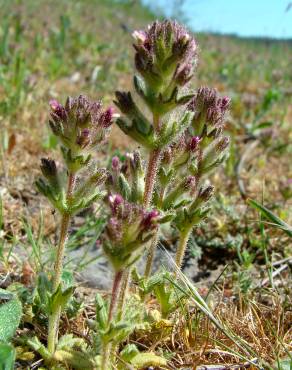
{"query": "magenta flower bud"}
[(106, 118), (139, 36), (116, 163), (149, 219), (81, 123), (115, 201), (58, 111), (55, 105), (225, 103), (194, 143)]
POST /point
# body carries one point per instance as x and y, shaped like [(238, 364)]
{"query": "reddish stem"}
[(115, 294)]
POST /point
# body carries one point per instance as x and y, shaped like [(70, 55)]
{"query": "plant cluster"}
[(181, 137)]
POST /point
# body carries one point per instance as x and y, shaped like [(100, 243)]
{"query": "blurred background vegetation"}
[(52, 49)]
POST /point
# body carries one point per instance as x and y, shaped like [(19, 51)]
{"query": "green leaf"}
[(124, 187), (276, 221), (60, 299), (118, 332), (51, 142), (10, 315), (101, 312), (284, 364), (37, 346), (7, 356), (262, 125), (68, 342), (67, 278), (77, 359), (129, 352), (6, 294), (163, 295), (143, 360)]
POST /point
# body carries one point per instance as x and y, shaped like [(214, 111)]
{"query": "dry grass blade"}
[(200, 303)]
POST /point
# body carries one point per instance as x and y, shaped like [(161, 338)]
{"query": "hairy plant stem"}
[(116, 289), (58, 269), (123, 292), (183, 241), (150, 256), (152, 168), (153, 163)]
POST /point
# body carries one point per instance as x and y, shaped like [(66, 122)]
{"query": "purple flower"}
[(194, 143), (225, 103), (116, 163), (106, 118), (115, 201), (149, 218), (58, 111), (127, 231), (81, 121), (140, 36)]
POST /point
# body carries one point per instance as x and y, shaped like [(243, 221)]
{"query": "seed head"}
[(128, 229), (165, 48), (81, 123), (208, 106)]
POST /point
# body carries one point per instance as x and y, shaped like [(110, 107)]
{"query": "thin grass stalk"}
[(193, 294), (54, 318)]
